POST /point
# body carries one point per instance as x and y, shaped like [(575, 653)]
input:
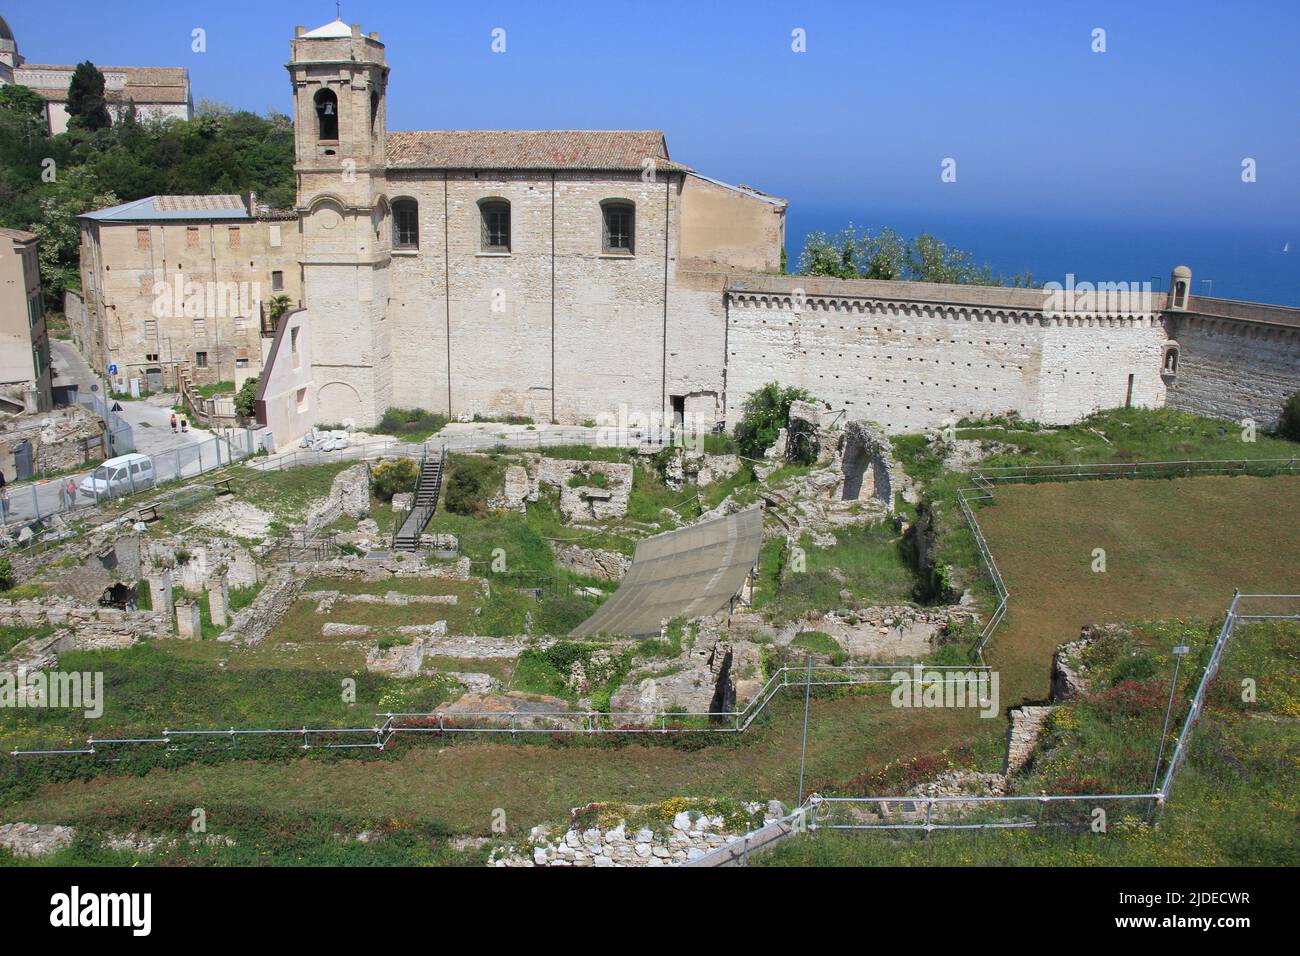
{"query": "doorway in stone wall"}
[(679, 409)]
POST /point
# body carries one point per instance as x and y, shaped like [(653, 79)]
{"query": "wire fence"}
[(985, 480), (127, 476), (375, 449), (548, 720), (961, 812)]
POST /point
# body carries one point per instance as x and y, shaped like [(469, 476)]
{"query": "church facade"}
[(570, 276)]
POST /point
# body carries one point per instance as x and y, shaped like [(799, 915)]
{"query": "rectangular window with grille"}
[(496, 226), (406, 224), (234, 237), (619, 227), (142, 237), (201, 359), (192, 237)]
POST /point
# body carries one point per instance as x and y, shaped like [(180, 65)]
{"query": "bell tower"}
[(340, 81)]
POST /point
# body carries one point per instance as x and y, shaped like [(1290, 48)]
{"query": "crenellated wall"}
[(1236, 360), (912, 355)]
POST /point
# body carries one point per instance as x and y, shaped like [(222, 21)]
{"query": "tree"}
[(246, 397), (1288, 425), (87, 108), (276, 306), (73, 193), (887, 255), (763, 416)]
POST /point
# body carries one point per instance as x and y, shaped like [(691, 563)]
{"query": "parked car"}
[(119, 476)]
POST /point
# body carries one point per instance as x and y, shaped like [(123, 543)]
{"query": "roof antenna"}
[(338, 9)]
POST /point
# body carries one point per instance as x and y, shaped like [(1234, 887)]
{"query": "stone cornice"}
[(820, 304)]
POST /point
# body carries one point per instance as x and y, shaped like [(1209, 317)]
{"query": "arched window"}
[(327, 115), (374, 110), (618, 219), (494, 215), (406, 224), (1170, 365), (1180, 294)]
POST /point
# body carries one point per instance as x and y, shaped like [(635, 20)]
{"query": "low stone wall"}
[(91, 625), (377, 569), (592, 562), (204, 558), (254, 623), (587, 501), (691, 835), (35, 839), (348, 495), (1022, 736)]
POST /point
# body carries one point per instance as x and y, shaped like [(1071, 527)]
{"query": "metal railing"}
[(924, 813), (418, 515), (65, 495), (558, 721)]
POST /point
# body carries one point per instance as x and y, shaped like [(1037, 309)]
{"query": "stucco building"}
[(154, 92), (179, 284), (24, 341)]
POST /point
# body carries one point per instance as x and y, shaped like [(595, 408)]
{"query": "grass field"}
[(1234, 802), (1174, 549)]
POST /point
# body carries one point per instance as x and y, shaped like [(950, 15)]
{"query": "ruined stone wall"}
[(1234, 369)]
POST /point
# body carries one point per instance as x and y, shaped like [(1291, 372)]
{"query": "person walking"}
[(185, 424), (4, 503), (173, 423), (70, 493)]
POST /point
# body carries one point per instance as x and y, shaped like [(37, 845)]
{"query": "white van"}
[(123, 475)]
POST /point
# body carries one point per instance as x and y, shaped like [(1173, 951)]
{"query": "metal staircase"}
[(427, 488)]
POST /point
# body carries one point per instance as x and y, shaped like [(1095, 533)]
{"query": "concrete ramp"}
[(685, 573)]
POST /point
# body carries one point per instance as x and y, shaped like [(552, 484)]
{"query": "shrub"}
[(469, 485), (393, 477), (6, 575), (415, 424), (765, 413), (1288, 425)]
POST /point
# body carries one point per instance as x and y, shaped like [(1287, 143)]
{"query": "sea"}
[(1254, 263)]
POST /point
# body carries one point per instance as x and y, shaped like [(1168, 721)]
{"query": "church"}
[(570, 275), (534, 273)]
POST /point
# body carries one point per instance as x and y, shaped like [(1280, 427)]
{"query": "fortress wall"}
[(1235, 368), (1090, 364), (911, 365)]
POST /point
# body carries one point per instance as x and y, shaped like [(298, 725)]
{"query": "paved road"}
[(150, 424)]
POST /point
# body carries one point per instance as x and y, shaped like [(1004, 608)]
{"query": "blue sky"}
[(1053, 142)]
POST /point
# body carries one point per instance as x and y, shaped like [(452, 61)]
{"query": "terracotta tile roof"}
[(187, 203), (530, 149)]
